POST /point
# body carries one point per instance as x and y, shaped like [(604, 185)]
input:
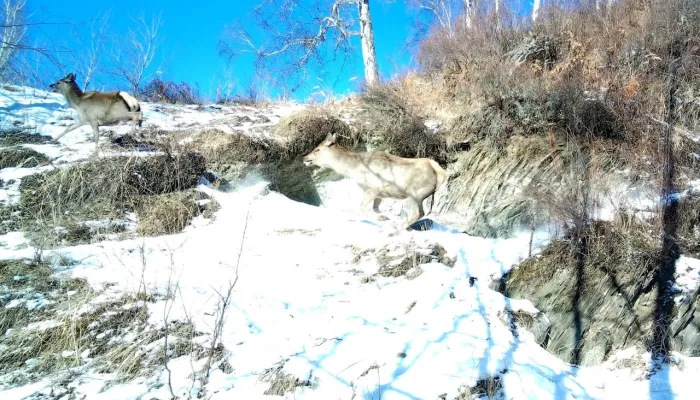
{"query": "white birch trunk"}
[(369, 56), (535, 9), (497, 9), (469, 13)]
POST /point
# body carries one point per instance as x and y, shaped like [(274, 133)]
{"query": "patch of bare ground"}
[(281, 382), (402, 260)]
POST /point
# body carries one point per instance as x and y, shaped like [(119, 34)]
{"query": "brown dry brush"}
[(390, 123), (605, 71), (110, 187)]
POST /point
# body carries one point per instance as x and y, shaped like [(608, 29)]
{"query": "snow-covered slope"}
[(305, 302)]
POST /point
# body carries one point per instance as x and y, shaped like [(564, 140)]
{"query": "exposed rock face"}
[(607, 301)]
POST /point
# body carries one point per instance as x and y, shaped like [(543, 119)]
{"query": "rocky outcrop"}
[(604, 303)]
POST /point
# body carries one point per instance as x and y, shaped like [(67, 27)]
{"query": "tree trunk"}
[(369, 55), (535, 9), (469, 13), (497, 9)]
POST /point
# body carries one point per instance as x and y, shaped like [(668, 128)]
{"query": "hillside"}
[(197, 257), (324, 305)]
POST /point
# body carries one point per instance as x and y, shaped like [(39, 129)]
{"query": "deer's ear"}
[(70, 77), (331, 137)]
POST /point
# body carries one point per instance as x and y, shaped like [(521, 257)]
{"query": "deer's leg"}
[(370, 203), (414, 213), (77, 124), (375, 208), (137, 119), (96, 133), (368, 198)]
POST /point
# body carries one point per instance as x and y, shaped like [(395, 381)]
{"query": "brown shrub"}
[(166, 213), (390, 123), (21, 157), (302, 132), (105, 187)]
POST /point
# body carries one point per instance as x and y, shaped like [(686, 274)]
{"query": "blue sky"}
[(192, 30)]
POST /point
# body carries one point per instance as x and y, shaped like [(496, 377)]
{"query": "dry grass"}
[(404, 260), (22, 157), (576, 72), (37, 295), (104, 188), (688, 232), (112, 336), (390, 123), (280, 381), (166, 213), (17, 136), (302, 132)]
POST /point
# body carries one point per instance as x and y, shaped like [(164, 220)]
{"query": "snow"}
[(300, 302), (687, 277)]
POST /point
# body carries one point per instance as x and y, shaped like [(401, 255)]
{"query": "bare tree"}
[(88, 59), (134, 55), (298, 29), (442, 11), (12, 30)]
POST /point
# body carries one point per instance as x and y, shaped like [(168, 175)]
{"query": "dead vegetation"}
[(404, 260), (18, 136), (519, 95), (49, 325), (389, 123), (22, 157), (109, 188), (166, 213), (688, 232), (281, 382)]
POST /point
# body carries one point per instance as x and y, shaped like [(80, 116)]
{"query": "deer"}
[(382, 175), (97, 108)]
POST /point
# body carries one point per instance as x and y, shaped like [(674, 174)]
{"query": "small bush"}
[(302, 132), (295, 136), (537, 49), (391, 124), (166, 213), (105, 187), (16, 136), (22, 157), (158, 90)]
